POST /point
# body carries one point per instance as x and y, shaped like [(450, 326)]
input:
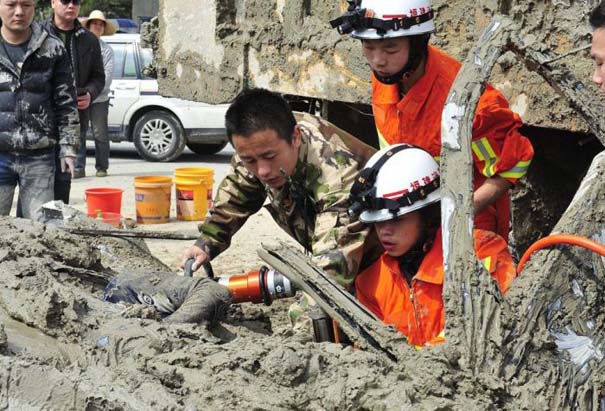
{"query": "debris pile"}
[(64, 348)]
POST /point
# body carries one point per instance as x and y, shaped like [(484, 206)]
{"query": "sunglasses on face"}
[(74, 2)]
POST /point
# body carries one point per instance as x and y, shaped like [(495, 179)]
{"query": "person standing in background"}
[(37, 109), (87, 64), (99, 26)]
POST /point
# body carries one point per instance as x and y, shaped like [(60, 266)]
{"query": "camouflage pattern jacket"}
[(38, 99), (311, 207)]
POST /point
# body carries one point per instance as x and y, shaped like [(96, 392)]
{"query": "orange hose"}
[(561, 239)]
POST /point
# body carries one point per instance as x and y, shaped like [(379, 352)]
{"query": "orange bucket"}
[(113, 219), (104, 199), (152, 197), (193, 192)]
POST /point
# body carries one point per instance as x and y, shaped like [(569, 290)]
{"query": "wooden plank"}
[(360, 325), (159, 235)]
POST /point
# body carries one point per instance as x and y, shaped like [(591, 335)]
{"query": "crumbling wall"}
[(209, 50)]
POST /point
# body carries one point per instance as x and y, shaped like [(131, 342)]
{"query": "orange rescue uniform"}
[(498, 147), (418, 311)]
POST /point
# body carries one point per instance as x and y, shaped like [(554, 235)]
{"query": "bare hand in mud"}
[(141, 311), (195, 252)]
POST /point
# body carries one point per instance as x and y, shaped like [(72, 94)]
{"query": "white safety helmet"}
[(396, 180), (379, 19)]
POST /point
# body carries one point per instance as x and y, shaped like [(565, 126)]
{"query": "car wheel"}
[(158, 136), (206, 149)]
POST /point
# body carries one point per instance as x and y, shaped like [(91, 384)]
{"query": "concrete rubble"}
[(288, 46), (57, 330), (541, 347)]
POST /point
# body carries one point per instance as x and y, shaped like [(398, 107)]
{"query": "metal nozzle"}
[(263, 286)]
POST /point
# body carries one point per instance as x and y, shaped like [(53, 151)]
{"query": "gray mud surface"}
[(61, 347), (64, 348)]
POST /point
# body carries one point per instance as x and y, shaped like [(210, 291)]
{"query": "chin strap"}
[(393, 78), (418, 52), (363, 192)]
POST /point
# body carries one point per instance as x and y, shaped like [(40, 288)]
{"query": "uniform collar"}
[(420, 91), (431, 269), (389, 93)]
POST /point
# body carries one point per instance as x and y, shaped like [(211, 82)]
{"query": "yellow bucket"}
[(152, 197), (193, 192)]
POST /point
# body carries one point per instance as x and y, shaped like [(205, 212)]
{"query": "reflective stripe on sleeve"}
[(487, 264), (484, 152), (518, 171)]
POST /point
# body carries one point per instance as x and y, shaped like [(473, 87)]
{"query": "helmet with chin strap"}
[(384, 19), (397, 180)]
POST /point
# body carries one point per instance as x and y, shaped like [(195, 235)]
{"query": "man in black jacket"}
[(85, 54), (37, 109)]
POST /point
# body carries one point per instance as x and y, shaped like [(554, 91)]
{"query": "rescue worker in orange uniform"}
[(398, 192), (410, 83)]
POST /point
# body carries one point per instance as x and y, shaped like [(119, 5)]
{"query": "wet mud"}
[(62, 347)]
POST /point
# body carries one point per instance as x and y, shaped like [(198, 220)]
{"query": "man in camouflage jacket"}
[(37, 107), (305, 170), (309, 201)]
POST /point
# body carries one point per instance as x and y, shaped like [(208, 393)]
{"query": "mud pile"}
[(67, 349), (64, 348)]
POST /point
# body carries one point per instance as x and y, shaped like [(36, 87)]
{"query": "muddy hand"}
[(188, 270)]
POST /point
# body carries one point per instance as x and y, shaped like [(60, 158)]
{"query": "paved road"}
[(125, 164)]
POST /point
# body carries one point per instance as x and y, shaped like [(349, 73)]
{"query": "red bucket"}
[(107, 200)]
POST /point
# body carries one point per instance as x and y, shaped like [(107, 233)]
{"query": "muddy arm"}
[(205, 302)]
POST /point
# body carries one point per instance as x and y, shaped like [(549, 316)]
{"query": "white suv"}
[(160, 127)]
